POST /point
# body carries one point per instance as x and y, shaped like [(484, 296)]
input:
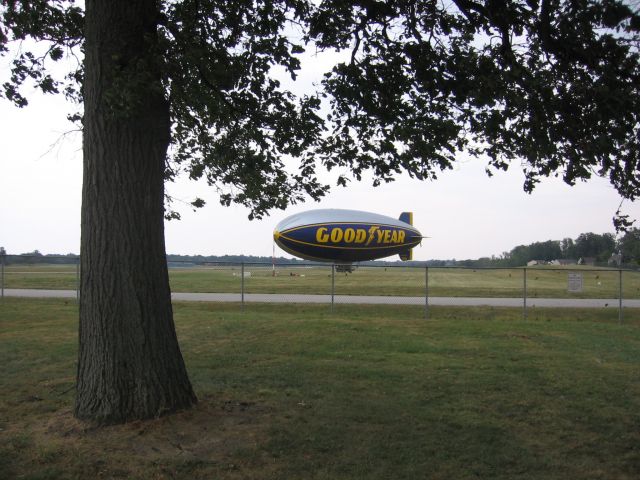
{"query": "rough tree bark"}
[(129, 365)]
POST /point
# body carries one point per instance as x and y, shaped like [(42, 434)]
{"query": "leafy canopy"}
[(550, 84)]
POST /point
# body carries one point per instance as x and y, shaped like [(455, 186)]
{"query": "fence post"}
[(78, 280), (426, 293), (620, 296), (524, 292), (333, 284), (242, 286)]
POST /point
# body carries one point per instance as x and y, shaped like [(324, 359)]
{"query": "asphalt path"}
[(359, 299)]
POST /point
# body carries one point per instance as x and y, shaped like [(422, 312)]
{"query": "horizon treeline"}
[(591, 248)]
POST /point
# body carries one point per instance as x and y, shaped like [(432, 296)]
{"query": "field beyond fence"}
[(574, 282)]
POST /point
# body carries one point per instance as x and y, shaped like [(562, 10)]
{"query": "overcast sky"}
[(466, 213)]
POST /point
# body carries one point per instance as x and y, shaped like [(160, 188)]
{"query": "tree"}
[(547, 251), (629, 246), (552, 84), (595, 245), (567, 246), (522, 254)]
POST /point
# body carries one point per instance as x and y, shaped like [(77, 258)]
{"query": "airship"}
[(347, 236)]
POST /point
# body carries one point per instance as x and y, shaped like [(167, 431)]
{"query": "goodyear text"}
[(360, 236)]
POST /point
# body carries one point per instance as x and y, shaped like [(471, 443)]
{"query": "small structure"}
[(563, 261), (615, 260), (566, 261), (240, 274), (344, 268), (587, 261)]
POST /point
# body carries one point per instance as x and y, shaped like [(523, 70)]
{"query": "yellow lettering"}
[(380, 235), (321, 235), (394, 236), (372, 232), (349, 235), (361, 235), (387, 236), (401, 236), (336, 235)]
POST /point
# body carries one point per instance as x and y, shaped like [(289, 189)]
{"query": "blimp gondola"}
[(347, 236)]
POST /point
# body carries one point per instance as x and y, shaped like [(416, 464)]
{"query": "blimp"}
[(347, 236)]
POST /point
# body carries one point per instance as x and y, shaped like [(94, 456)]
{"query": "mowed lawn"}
[(404, 281), (294, 392)]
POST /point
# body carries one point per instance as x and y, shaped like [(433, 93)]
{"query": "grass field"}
[(293, 392), (541, 282)]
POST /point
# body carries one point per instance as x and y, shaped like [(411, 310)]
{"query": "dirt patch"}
[(215, 432)]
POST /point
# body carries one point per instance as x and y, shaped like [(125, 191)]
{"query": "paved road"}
[(361, 299)]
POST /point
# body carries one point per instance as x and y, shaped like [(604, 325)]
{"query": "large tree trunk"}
[(129, 365)]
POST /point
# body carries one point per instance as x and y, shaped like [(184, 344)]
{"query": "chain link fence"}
[(419, 286)]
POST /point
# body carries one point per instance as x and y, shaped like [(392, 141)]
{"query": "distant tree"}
[(629, 246), (484, 262), (546, 251), (519, 255), (567, 247), (552, 85), (437, 263), (595, 245)]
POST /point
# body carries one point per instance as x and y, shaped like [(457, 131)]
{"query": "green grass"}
[(56, 277), (541, 281), (294, 392)]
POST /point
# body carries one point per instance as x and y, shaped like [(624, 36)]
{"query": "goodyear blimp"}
[(346, 236)]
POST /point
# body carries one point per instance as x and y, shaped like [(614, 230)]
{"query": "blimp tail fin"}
[(406, 217), (406, 255)]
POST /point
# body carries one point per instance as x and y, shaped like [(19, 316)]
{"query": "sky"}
[(465, 213)]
